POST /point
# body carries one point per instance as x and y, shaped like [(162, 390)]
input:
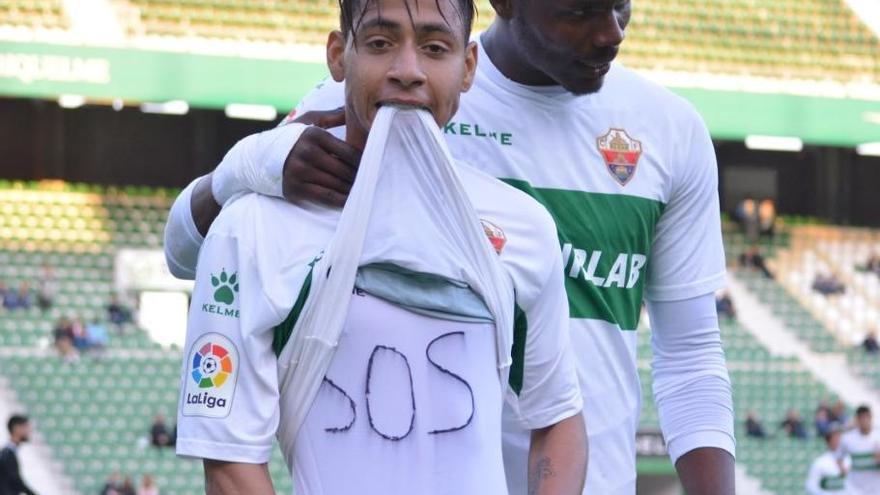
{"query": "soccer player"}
[(411, 401), (828, 473), (863, 444), (628, 171)]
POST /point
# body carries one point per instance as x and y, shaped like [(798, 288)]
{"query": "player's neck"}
[(355, 135), (499, 44)]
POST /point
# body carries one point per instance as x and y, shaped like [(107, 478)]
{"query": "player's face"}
[(405, 52), (571, 41), (834, 441), (864, 422), (23, 432)]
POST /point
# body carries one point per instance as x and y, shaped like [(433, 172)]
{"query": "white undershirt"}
[(427, 375)]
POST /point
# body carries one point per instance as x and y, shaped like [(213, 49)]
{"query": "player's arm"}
[(312, 165), (813, 484), (230, 478), (691, 384), (549, 399), (558, 458), (229, 406)]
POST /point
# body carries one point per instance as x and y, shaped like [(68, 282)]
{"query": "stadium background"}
[(108, 107)]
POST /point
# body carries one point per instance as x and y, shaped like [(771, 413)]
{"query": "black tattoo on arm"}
[(543, 470)]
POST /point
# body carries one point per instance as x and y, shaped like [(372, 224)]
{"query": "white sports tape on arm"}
[(691, 384)]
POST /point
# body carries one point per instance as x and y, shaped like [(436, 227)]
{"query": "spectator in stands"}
[(63, 329), (148, 486), (838, 413), (46, 287), (822, 420), (159, 435), (19, 429), (117, 312), (827, 284), (113, 485), (127, 487), (754, 428), (80, 335), (747, 214), (752, 258), (872, 265), (97, 335), (20, 299), (724, 305), (767, 217), (793, 425), (870, 343), (3, 291), (64, 340)]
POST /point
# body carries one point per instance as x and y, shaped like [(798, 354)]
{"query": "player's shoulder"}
[(495, 197), (258, 220), (625, 86)]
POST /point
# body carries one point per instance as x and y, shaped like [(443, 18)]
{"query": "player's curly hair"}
[(352, 11)]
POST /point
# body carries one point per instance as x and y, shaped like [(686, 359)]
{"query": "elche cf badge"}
[(495, 234), (621, 154)]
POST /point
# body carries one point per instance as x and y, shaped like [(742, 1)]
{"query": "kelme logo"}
[(226, 287)]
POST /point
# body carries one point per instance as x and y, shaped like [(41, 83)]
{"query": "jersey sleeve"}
[(687, 257), (546, 383), (229, 400), (326, 95)]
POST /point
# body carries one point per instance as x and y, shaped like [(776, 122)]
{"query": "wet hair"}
[(15, 420), (352, 11), (863, 410)]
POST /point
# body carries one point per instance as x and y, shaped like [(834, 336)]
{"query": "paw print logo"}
[(226, 286)]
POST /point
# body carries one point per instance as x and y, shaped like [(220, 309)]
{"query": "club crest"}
[(495, 234), (621, 154)]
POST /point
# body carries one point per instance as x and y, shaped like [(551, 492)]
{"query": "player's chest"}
[(611, 152)]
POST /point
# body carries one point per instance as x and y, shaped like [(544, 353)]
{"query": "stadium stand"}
[(91, 413), (770, 291), (295, 22), (769, 386), (808, 40), (37, 14), (840, 251)]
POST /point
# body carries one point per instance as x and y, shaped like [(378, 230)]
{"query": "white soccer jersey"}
[(825, 477), (393, 396), (865, 477), (630, 177)]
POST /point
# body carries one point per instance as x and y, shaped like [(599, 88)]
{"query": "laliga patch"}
[(621, 154), (213, 372)]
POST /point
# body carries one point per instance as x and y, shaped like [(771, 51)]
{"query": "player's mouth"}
[(595, 69), (406, 103)]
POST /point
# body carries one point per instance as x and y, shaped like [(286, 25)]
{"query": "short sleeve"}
[(546, 381), (687, 257), (229, 400)]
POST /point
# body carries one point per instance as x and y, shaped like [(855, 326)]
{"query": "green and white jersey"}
[(825, 476), (630, 177), (411, 401), (865, 469)]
